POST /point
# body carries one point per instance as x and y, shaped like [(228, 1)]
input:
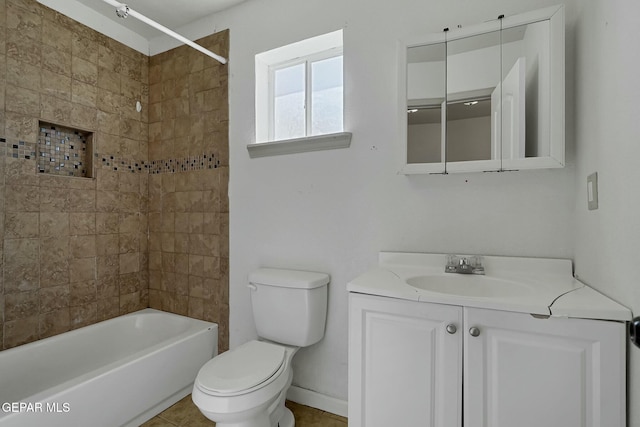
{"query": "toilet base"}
[(287, 419)]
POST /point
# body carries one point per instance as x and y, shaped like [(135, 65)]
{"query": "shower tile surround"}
[(151, 227)]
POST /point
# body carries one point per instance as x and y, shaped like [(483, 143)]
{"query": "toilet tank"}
[(289, 306)]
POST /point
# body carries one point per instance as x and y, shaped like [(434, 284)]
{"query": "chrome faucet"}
[(464, 265)]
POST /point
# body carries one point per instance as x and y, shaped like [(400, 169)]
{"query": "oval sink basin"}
[(469, 285)]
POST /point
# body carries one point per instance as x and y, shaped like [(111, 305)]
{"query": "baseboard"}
[(317, 400)]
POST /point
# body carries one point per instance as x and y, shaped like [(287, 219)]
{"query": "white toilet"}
[(247, 386)]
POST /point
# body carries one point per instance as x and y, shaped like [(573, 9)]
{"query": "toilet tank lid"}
[(288, 278)]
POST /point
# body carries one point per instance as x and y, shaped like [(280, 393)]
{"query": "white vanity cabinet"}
[(529, 372), (405, 369), (424, 364)]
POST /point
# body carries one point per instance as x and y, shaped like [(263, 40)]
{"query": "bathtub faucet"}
[(464, 265)]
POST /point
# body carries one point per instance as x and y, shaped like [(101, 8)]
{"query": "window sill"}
[(300, 145)]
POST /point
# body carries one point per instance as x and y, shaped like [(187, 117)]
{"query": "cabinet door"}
[(404, 367), (531, 372)]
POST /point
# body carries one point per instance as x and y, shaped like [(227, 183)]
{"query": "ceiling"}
[(174, 15), (170, 13)]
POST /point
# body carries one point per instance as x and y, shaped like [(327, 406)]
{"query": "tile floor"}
[(185, 414)]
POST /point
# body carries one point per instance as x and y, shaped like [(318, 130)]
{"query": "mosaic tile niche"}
[(64, 151)]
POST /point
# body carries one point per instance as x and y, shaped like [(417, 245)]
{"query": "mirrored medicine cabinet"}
[(484, 98)]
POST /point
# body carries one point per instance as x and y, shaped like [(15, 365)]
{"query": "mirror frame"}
[(556, 158)]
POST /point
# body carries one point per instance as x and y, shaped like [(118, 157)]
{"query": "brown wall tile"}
[(22, 48), (18, 225), (83, 246), (57, 36), (57, 61), (130, 302), (93, 249), (83, 315), (83, 93), (82, 293), (54, 322), (56, 85), (54, 109), (27, 23), (54, 224), (82, 270), (83, 116), (108, 308), (20, 305), (53, 199), (22, 101), (107, 222), (54, 298), (54, 261), (129, 263), (128, 242), (17, 332), (82, 200), (20, 126), (22, 198), (84, 71), (107, 244), (81, 223)]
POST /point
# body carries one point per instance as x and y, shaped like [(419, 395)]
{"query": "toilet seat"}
[(251, 366)]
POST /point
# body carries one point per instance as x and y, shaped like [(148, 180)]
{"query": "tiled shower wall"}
[(188, 204), (76, 250)]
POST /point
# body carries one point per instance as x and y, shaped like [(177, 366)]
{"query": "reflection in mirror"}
[(468, 137), (525, 88), (425, 97), (473, 73)]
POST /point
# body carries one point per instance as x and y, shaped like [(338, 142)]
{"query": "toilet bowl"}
[(247, 386)]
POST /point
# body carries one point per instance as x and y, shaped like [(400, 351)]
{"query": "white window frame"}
[(308, 61), (309, 51)]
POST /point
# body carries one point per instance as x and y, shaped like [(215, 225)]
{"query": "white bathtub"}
[(119, 372)]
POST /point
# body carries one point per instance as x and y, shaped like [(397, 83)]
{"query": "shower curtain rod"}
[(122, 10)]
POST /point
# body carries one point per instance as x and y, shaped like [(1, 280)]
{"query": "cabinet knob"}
[(451, 328), (474, 332)]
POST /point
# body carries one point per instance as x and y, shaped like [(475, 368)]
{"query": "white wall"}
[(333, 211), (608, 135)]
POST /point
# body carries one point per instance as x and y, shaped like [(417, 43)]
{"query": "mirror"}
[(473, 72), (487, 98), (426, 93)]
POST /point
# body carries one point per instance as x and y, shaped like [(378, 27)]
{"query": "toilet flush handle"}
[(252, 287)]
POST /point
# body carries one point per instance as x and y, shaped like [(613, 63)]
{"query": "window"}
[(306, 97), (299, 92)]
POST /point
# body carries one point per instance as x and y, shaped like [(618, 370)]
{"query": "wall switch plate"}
[(592, 191)]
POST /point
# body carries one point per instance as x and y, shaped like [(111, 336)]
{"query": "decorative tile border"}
[(114, 163), (182, 164), (17, 149), (25, 150)]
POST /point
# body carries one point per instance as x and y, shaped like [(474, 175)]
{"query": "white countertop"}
[(550, 286)]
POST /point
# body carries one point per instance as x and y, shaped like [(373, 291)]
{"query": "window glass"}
[(289, 102), (299, 89), (326, 96)]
